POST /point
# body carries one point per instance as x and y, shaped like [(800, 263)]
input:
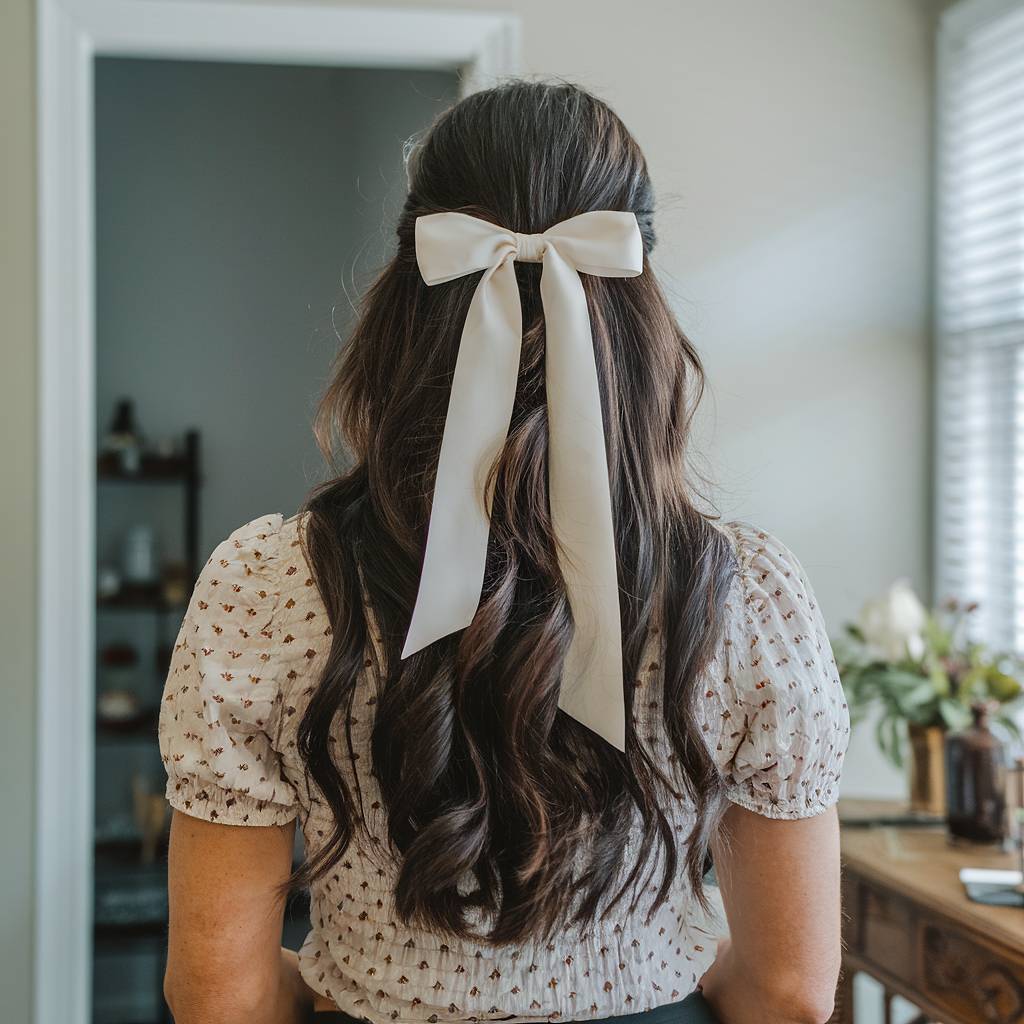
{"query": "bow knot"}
[(448, 246), (530, 248)]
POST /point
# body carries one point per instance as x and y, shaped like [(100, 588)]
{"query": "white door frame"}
[(484, 46)]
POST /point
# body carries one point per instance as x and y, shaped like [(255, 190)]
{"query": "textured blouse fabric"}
[(246, 661)]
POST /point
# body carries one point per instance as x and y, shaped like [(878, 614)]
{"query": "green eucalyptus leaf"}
[(1002, 686), (880, 735), (940, 679), (921, 701), (973, 683), (954, 715), (904, 678), (897, 733)]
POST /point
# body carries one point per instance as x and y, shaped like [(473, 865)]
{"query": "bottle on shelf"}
[(123, 439), (140, 555)]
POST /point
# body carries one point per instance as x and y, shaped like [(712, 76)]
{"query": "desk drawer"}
[(965, 976), (885, 925)]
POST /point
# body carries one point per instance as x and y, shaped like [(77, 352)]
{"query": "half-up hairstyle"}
[(507, 817)]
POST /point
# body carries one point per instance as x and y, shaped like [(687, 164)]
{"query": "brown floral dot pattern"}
[(246, 661)]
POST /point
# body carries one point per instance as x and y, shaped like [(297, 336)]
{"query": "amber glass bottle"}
[(976, 778)]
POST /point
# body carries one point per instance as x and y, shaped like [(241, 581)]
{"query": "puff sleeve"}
[(221, 698), (776, 715)]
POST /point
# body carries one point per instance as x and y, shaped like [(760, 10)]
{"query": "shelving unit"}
[(161, 469), (130, 897), (141, 727)]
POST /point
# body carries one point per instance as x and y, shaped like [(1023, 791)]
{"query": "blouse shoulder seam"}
[(261, 526), (740, 531)]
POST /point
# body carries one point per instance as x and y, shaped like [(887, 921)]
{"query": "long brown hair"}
[(482, 777)]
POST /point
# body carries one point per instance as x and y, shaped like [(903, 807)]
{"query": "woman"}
[(507, 809)]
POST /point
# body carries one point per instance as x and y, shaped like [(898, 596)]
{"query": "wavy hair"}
[(484, 780)]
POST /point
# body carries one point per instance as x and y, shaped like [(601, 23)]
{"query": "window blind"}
[(979, 294)]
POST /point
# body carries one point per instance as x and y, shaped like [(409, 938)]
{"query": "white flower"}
[(893, 624)]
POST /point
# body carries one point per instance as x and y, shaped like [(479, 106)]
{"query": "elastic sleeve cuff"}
[(199, 799), (769, 806)]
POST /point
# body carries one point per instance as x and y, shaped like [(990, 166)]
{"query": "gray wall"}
[(17, 503), (237, 206)]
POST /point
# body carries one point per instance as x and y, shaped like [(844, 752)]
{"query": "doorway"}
[(138, 282), (240, 208)]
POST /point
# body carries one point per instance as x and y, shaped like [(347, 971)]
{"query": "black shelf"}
[(117, 855), (138, 597), (107, 934), (161, 469), (130, 897), (152, 469), (140, 726)]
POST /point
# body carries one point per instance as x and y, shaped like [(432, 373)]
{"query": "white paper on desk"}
[(990, 876)]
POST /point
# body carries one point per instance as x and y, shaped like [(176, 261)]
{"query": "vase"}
[(976, 779), (927, 769)]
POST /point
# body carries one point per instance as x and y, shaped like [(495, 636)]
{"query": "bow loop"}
[(451, 245), (603, 243)]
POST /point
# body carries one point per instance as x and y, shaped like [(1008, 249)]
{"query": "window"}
[(980, 315)]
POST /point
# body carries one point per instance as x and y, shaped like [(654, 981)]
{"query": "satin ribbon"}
[(602, 243)]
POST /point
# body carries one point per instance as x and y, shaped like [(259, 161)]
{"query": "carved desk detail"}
[(909, 924)]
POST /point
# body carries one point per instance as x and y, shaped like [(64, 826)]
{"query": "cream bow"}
[(450, 245)]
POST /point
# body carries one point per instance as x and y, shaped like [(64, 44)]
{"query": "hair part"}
[(482, 777)]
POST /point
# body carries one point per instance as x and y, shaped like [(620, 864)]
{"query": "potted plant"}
[(921, 672)]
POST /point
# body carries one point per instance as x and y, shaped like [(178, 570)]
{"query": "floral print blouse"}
[(245, 663)]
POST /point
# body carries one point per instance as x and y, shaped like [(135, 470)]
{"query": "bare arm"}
[(224, 961), (780, 885)]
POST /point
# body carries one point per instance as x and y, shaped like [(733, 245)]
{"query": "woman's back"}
[(247, 663)]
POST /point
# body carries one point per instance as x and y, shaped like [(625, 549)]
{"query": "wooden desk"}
[(908, 923)]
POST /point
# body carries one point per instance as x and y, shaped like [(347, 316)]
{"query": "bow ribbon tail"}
[(476, 426), (581, 508)]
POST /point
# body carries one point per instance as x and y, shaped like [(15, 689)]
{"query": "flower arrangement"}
[(919, 667)]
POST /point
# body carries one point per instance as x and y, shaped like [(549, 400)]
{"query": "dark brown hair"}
[(483, 779)]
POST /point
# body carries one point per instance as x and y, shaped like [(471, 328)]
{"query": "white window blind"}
[(980, 316)]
